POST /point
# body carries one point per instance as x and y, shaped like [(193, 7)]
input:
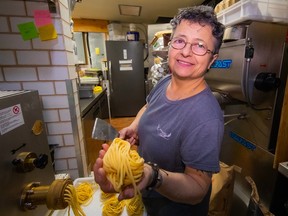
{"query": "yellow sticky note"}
[(47, 32), (97, 50)]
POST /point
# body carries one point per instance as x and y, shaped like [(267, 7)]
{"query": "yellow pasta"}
[(105, 196), (71, 198), (123, 165), (84, 193), (135, 206), (113, 207)]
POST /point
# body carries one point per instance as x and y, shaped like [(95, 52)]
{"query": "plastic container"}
[(257, 10), (132, 35)]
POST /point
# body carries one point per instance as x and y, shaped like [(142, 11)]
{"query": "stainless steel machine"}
[(27, 181), (249, 80)]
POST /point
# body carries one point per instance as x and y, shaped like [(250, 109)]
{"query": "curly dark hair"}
[(204, 15)]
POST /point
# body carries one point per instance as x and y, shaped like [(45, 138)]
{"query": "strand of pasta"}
[(71, 198), (84, 193), (113, 207), (105, 196), (135, 206), (123, 167)]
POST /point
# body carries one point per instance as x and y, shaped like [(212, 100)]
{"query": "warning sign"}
[(10, 118)]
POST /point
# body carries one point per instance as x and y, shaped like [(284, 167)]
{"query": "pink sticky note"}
[(42, 17)]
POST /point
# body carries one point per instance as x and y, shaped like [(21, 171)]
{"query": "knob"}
[(27, 161), (267, 82), (41, 161)]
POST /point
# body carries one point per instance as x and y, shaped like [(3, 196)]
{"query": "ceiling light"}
[(130, 10)]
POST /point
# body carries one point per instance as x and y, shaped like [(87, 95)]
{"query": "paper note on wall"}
[(47, 32), (42, 17), (97, 51), (28, 30)]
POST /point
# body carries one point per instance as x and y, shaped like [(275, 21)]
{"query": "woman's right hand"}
[(129, 134)]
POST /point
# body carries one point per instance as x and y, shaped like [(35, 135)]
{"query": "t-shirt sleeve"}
[(200, 148)]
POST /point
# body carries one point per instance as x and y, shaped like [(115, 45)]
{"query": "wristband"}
[(156, 177)]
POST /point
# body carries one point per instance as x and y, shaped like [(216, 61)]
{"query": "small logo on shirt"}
[(162, 133)]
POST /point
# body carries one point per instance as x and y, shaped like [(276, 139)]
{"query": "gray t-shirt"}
[(175, 134), (187, 132)]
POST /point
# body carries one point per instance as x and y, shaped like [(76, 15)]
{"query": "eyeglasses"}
[(197, 48)]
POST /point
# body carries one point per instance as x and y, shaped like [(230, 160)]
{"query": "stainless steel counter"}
[(87, 103)]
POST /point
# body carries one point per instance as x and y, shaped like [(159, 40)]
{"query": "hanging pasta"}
[(123, 165), (71, 198)]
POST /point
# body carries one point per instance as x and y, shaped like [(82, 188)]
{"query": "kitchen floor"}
[(120, 123)]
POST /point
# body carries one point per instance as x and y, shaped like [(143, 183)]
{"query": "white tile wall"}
[(61, 164), (4, 24), (44, 66), (54, 102), (32, 6), (19, 20), (1, 76), (44, 88), (58, 26), (55, 139), (68, 44), (72, 73), (59, 128), (10, 86), (18, 42), (20, 74), (51, 115), (60, 88), (33, 57), (65, 14), (67, 29), (65, 152), (72, 163), (7, 58), (64, 115), (69, 139), (12, 8), (58, 57), (53, 73), (57, 44), (71, 58), (65, 3)]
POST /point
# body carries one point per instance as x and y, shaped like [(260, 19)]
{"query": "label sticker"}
[(226, 63), (11, 118), (242, 141)]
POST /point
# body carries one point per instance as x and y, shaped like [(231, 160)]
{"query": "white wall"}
[(45, 66)]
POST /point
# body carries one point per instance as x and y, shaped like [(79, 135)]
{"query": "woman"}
[(180, 129)]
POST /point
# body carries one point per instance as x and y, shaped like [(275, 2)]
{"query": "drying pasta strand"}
[(84, 193), (123, 167), (71, 198), (135, 206)]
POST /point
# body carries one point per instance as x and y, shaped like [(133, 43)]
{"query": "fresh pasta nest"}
[(123, 166)]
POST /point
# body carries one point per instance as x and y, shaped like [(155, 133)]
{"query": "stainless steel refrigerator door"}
[(126, 76)]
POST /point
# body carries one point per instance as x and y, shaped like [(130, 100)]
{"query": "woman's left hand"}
[(99, 172)]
